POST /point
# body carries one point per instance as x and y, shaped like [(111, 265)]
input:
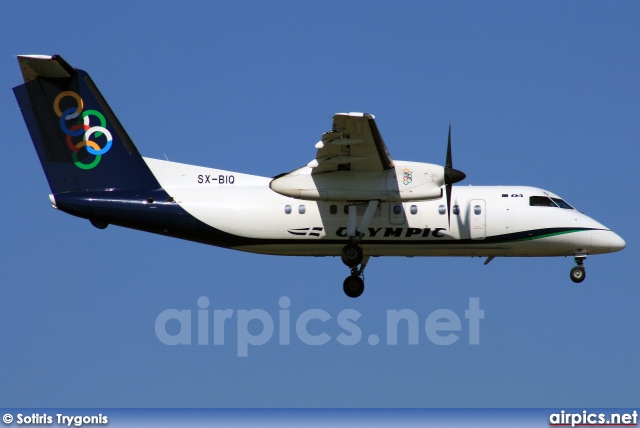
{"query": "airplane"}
[(352, 200)]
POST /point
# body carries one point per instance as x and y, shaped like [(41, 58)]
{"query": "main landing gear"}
[(352, 254), (577, 273)]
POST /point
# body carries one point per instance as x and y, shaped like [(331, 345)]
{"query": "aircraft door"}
[(477, 219)]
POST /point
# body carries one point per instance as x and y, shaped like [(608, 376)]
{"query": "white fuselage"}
[(485, 220)]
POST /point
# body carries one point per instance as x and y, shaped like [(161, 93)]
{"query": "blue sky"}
[(544, 94)]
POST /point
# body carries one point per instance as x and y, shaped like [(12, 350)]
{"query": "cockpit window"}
[(562, 204), (541, 201)]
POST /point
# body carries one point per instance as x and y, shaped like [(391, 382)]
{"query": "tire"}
[(351, 255), (353, 286), (577, 274)]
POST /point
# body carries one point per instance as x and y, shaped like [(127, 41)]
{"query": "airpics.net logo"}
[(313, 327)]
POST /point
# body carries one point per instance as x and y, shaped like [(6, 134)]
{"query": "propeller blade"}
[(451, 176), (448, 192), (449, 163)]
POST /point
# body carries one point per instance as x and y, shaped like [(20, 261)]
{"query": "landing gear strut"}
[(577, 273)]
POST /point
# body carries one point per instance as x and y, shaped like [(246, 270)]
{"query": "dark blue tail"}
[(80, 142), (93, 168)]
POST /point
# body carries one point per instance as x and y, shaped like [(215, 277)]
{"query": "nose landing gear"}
[(578, 273)]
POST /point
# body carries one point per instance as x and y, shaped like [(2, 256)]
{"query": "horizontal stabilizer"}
[(53, 67)]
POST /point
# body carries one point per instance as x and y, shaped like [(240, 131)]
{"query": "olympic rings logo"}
[(84, 128), (407, 176)]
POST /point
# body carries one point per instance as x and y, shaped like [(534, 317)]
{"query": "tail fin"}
[(80, 142)]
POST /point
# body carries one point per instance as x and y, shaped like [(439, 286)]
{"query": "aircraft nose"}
[(616, 243)]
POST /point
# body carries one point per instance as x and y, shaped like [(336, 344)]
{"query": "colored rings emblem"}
[(407, 176), (83, 128)]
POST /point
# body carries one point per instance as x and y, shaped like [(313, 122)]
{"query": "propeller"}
[(451, 176)]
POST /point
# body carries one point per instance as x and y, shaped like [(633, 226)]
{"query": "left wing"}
[(353, 144), (353, 164)]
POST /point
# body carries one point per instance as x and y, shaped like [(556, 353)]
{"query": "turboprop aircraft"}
[(352, 200)]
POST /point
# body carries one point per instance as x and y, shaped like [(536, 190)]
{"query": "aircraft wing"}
[(353, 144), (353, 164)]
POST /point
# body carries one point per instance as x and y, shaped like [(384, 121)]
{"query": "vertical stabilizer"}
[(79, 140)]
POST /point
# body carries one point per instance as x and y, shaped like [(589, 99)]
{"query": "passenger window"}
[(333, 209), (397, 209), (442, 210), (346, 209), (287, 209), (477, 210), (456, 209), (302, 209), (413, 209), (541, 201)]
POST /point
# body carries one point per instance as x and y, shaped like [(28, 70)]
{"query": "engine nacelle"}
[(408, 181)]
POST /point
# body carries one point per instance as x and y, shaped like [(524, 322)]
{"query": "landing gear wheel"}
[(578, 274), (351, 255), (353, 286)]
